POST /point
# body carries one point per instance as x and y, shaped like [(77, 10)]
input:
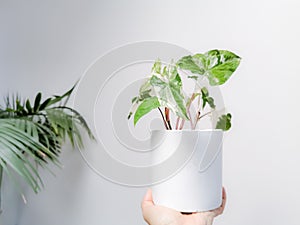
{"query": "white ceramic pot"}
[(191, 171)]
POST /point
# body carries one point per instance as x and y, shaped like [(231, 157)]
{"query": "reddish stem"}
[(167, 113), (162, 115), (177, 122)]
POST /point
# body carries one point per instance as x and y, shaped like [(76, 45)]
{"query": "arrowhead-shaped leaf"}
[(192, 64), (221, 65), (145, 107), (168, 88), (216, 65)]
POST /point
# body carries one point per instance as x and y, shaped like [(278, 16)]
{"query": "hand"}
[(159, 215)]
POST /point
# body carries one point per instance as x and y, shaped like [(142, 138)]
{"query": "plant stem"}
[(188, 109), (205, 114), (198, 113), (177, 122), (167, 113), (182, 123), (189, 114), (199, 117), (162, 115)]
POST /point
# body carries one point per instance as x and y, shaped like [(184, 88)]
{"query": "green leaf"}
[(211, 102), (224, 122), (207, 99), (168, 90), (65, 122), (45, 104), (37, 102), (176, 81), (222, 65), (175, 87), (189, 63), (31, 138), (18, 165), (156, 66), (28, 106), (13, 141), (77, 120), (129, 115), (20, 109), (193, 77), (134, 100), (18, 129), (155, 81), (144, 94), (59, 98), (165, 71), (216, 65), (145, 107)]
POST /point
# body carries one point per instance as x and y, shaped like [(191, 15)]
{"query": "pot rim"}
[(187, 130)]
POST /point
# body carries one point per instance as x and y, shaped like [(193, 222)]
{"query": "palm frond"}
[(66, 122), (32, 133), (78, 119), (19, 149)]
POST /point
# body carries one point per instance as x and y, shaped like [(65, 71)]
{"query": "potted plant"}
[(197, 185), (32, 134)]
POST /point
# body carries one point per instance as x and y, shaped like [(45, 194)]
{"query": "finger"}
[(220, 210), (147, 200), (224, 197)]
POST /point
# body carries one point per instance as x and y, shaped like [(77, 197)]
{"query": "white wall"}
[(47, 45)]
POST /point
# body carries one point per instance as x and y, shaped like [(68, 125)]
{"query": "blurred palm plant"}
[(32, 134)]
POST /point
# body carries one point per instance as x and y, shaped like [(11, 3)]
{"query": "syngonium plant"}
[(32, 134), (163, 89)]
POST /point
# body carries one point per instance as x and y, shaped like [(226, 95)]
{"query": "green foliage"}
[(145, 107), (31, 135), (163, 88), (207, 99), (167, 86), (216, 65), (224, 122)]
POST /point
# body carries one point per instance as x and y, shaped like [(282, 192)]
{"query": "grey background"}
[(47, 45)]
